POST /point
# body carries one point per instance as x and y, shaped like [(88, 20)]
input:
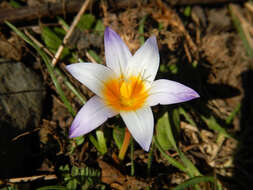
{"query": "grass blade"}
[(214, 125), (193, 181), (171, 160)]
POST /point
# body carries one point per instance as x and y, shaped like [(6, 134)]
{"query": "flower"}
[(125, 86)]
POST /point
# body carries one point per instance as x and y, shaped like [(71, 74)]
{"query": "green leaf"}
[(161, 132), (141, 29), (187, 117), (173, 68), (171, 160), (72, 184), (176, 119), (74, 171), (86, 22), (193, 181), (101, 141), (99, 27), (63, 23), (187, 11), (52, 187), (79, 140), (118, 135), (95, 56), (214, 125), (15, 4), (59, 32), (241, 30), (64, 168), (191, 169), (53, 41), (230, 118)]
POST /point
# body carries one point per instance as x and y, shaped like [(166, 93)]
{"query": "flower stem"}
[(125, 145)]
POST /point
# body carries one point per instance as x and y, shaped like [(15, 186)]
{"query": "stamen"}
[(125, 94)]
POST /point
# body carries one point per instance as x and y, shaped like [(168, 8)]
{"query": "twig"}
[(90, 57), (38, 43), (22, 92), (29, 13), (31, 178), (24, 134), (70, 31)]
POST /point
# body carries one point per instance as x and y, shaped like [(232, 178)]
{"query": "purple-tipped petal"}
[(92, 75), (140, 123), (117, 53), (169, 92), (145, 61), (91, 116)]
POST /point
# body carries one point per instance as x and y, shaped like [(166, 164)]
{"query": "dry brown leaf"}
[(117, 180)]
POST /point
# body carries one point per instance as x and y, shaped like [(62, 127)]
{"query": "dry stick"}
[(31, 178), (35, 12), (90, 57), (70, 31), (38, 43)]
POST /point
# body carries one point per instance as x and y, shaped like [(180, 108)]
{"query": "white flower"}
[(126, 87)]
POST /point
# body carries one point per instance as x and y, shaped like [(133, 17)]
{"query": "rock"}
[(21, 104)]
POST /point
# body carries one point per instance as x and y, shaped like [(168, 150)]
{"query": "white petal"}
[(145, 61), (117, 53), (140, 123), (92, 75), (169, 92), (90, 116)]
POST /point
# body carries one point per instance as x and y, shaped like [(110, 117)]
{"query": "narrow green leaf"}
[(241, 32), (171, 160), (63, 23), (141, 29), (95, 56), (176, 120), (193, 181), (161, 132), (150, 159), (233, 114), (94, 142), (101, 141), (187, 117), (214, 125), (52, 187), (118, 134), (132, 157), (191, 169), (70, 86)]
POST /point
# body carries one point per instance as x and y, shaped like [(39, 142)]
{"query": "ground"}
[(204, 45)]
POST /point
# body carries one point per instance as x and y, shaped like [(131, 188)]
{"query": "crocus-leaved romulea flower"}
[(125, 86)]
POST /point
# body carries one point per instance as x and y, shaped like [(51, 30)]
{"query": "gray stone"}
[(21, 103)]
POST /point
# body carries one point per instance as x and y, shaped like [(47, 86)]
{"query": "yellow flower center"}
[(125, 94)]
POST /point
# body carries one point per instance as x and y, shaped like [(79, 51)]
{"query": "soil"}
[(209, 56)]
